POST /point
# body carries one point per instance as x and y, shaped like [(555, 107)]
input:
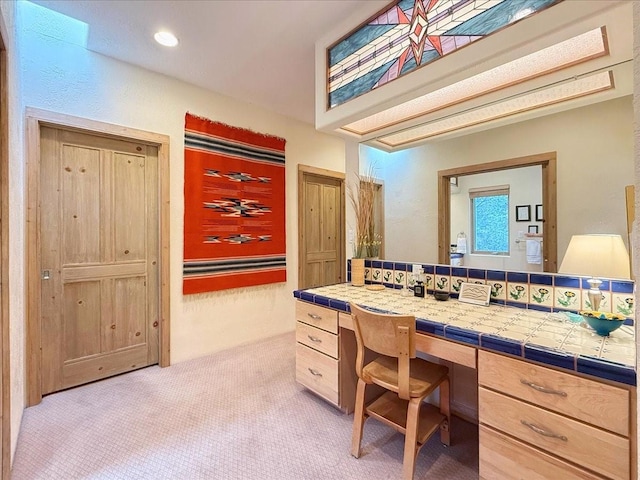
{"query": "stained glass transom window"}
[(411, 34)]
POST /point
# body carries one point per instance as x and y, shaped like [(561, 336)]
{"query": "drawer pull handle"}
[(314, 316), (315, 373), (541, 431), (314, 339), (542, 389)]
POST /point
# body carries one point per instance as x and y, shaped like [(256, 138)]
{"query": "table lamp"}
[(596, 256)]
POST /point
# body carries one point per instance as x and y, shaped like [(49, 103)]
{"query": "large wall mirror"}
[(593, 149)]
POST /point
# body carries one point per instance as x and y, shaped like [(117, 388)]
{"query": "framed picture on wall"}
[(539, 213), (532, 229), (523, 213)]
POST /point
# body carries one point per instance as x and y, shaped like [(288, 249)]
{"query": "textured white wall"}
[(594, 146), (60, 75)]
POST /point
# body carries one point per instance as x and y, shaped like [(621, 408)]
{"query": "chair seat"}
[(425, 375)]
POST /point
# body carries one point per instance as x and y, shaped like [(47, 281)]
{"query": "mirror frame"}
[(549, 198)]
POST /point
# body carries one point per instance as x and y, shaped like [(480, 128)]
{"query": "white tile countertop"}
[(549, 338)]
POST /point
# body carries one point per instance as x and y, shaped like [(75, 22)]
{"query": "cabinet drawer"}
[(447, 350), (321, 340), (595, 449), (320, 317), (503, 458), (317, 372), (603, 405)]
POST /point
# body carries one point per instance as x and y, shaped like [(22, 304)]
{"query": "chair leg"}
[(358, 419), (411, 438), (445, 409)]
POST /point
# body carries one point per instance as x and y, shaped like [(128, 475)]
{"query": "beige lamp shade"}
[(596, 256)]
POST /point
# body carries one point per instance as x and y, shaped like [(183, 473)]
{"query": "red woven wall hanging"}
[(234, 207)]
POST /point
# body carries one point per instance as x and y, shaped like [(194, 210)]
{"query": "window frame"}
[(493, 191)]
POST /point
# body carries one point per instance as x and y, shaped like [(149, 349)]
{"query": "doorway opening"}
[(549, 196)]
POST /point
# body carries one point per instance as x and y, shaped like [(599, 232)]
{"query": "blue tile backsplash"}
[(545, 292)]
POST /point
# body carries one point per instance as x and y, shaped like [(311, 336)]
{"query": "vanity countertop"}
[(549, 338)]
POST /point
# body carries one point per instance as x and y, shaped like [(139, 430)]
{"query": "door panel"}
[(99, 243), (81, 324), (80, 212), (313, 274), (330, 226), (313, 212), (102, 366), (129, 318), (330, 271), (129, 207)]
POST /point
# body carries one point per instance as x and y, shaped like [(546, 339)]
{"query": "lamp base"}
[(595, 295)]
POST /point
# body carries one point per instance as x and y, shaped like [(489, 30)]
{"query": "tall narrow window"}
[(490, 220)]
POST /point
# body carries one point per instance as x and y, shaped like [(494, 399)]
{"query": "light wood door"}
[(99, 234), (321, 230)]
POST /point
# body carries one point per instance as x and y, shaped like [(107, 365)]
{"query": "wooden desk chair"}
[(407, 379)]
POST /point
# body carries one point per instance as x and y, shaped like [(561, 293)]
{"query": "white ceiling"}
[(260, 51)]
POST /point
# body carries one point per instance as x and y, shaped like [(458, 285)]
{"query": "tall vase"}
[(357, 272)]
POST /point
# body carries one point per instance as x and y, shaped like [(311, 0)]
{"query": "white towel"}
[(461, 245), (534, 256)]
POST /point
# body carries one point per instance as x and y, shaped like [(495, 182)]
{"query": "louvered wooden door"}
[(99, 256)]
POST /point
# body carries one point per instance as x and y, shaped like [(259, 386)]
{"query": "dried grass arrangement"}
[(362, 196)]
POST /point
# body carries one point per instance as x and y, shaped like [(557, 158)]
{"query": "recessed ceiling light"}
[(167, 39)]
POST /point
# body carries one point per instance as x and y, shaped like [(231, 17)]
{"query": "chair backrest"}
[(390, 335)]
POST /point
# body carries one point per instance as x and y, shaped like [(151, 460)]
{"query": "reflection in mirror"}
[(594, 147), (525, 179), (484, 207)]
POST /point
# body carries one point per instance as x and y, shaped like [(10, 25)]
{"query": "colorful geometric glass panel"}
[(411, 34)]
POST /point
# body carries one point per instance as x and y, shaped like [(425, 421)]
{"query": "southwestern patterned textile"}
[(234, 207)]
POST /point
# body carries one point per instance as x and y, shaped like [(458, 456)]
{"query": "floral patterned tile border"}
[(546, 292)]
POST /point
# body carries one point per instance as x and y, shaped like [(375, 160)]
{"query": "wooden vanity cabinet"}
[(326, 358), (539, 423), (325, 362)]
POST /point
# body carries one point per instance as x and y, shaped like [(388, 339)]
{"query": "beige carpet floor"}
[(238, 414)]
